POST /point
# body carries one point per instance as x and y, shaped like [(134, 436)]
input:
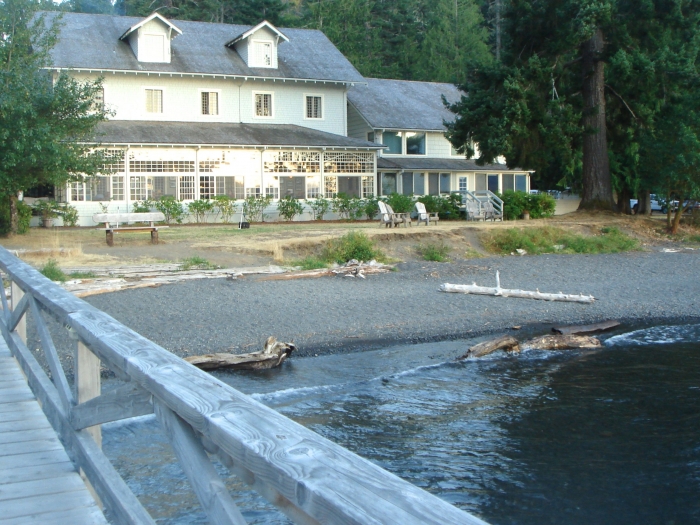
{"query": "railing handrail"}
[(308, 477)]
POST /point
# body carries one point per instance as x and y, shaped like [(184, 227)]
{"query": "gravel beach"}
[(342, 314)]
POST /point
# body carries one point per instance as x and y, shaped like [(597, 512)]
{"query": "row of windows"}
[(419, 183), (263, 104)]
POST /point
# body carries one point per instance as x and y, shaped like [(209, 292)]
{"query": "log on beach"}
[(273, 354), (507, 343), (585, 329), (562, 342)]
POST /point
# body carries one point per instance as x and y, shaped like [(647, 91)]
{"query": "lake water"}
[(606, 436)]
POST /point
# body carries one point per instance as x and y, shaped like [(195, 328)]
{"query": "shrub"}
[(289, 207), (540, 205), (352, 245), (200, 208), (69, 214), (310, 263), (24, 216), (53, 272), (319, 207), (142, 207), (446, 207), (400, 203), (347, 207), (371, 207), (254, 208), (197, 263), (436, 252), (226, 206), (171, 208)]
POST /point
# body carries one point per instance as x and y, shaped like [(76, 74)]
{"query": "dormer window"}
[(262, 51), (258, 46), (150, 39)]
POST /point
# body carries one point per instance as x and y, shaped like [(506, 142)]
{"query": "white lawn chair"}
[(474, 212), (387, 217), (425, 216), (490, 212)]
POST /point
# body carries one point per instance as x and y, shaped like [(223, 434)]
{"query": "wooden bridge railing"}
[(307, 477)]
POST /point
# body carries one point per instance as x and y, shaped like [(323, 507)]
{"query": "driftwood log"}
[(507, 343), (562, 342), (352, 268), (273, 354), (505, 292), (585, 329)]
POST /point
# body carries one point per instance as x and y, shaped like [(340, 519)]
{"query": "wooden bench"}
[(112, 223)]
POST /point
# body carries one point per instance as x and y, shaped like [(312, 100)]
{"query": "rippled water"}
[(608, 436)]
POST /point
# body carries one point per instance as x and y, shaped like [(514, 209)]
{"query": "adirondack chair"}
[(404, 218), (386, 217), (474, 213), (490, 212), (425, 216)]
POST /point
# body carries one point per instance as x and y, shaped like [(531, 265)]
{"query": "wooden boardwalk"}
[(38, 482)]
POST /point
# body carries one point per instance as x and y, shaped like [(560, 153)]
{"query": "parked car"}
[(656, 205)]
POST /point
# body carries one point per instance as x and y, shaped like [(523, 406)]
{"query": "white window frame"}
[(404, 145), (323, 106), (254, 45), (209, 116), (164, 50), (145, 100), (272, 104)]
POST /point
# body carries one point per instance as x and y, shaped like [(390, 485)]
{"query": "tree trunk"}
[(644, 203), (14, 216), (623, 201), (597, 189)]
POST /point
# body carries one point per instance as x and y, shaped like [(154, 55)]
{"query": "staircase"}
[(482, 205)]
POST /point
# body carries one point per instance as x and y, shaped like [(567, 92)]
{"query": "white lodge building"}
[(201, 109)]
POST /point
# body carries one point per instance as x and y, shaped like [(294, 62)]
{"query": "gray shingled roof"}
[(437, 164), (403, 104), (90, 41), (146, 132)]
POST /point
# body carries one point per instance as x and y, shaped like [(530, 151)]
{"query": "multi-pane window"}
[(314, 107), (293, 162), (140, 188), (272, 191), (331, 189), (348, 162), (313, 188), (98, 101), (154, 101), (117, 187), (462, 184), (210, 103), (263, 54), (445, 183), (252, 191), (367, 187), (161, 166), (263, 104)]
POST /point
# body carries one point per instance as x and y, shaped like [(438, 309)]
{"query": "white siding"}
[(438, 146), (261, 35), (357, 127), (151, 43)]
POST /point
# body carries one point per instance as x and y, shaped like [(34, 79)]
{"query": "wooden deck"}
[(38, 482)]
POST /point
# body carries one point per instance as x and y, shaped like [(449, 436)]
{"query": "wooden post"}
[(87, 382), (17, 295), (110, 237)]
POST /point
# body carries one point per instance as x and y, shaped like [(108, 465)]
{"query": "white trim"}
[(253, 54), (148, 19), (145, 101), (209, 117), (253, 30), (323, 106), (272, 105), (165, 51)]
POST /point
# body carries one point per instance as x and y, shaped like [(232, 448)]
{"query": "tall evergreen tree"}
[(247, 12)]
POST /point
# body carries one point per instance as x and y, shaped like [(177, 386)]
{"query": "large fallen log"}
[(273, 354), (507, 343), (505, 292), (585, 329), (562, 342)]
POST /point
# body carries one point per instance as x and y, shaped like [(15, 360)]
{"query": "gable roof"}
[(92, 42), (262, 24), (148, 19), (404, 104)]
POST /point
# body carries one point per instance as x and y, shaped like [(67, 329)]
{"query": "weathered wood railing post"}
[(16, 296), (88, 384)]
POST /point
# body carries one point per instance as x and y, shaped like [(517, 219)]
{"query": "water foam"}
[(657, 335)]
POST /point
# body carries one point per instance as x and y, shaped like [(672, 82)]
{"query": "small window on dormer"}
[(263, 54), (153, 48)]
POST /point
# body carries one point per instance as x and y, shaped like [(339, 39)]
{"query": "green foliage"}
[(172, 208), (289, 207), (246, 12), (352, 245), (45, 126), (196, 263), (555, 240), (82, 275), (200, 208), (446, 207), (319, 207), (24, 215), (254, 208), (400, 203), (541, 205), (52, 271), (69, 214), (225, 206), (436, 252), (309, 263), (347, 207), (142, 206), (49, 209), (371, 208)]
